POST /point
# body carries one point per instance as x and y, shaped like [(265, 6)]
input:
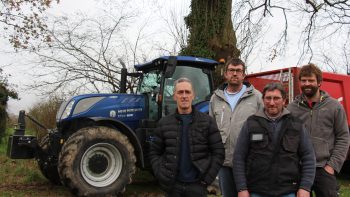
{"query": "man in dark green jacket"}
[(325, 119), (187, 151)]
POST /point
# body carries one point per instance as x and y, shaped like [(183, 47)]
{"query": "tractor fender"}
[(126, 130)]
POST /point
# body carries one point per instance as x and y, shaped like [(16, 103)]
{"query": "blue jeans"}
[(227, 182), (258, 195)]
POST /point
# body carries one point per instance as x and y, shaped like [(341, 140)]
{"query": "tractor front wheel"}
[(97, 161), (47, 162)]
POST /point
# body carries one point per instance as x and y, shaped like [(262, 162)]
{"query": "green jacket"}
[(230, 122), (327, 123)]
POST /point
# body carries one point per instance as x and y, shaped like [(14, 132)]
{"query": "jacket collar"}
[(220, 91), (223, 86), (193, 113), (261, 113), (301, 99)]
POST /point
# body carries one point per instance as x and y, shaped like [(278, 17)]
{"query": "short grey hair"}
[(183, 79), (274, 86)]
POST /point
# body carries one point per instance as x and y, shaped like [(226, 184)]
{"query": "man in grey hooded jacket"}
[(231, 105), (325, 119)]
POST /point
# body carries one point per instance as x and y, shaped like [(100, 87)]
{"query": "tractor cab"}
[(159, 75)]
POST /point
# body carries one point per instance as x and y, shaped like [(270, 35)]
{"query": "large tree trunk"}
[(211, 32)]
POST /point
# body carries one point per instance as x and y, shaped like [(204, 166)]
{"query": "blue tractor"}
[(100, 139)]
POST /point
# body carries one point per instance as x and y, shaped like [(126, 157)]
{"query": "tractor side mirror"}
[(170, 67)]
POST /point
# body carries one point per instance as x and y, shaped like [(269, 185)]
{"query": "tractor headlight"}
[(68, 109)]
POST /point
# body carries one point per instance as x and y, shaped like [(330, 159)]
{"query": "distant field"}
[(22, 178)]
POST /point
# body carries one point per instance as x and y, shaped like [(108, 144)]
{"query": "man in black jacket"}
[(187, 150), (274, 156)]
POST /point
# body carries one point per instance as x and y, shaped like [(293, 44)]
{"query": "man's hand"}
[(303, 193), (243, 193), (329, 169)]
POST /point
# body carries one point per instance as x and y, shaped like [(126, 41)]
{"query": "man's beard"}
[(309, 93)]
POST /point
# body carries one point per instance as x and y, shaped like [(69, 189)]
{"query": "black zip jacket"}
[(206, 148)]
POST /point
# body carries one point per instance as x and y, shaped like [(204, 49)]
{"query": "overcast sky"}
[(148, 12), (153, 13)]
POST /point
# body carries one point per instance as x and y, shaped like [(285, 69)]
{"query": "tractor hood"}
[(127, 108)]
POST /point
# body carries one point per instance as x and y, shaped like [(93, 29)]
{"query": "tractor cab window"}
[(150, 82), (150, 86), (200, 82)]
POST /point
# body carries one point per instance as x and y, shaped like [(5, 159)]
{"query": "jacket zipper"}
[(222, 114), (311, 113)]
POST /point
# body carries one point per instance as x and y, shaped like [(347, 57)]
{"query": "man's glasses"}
[(274, 98), (238, 71)]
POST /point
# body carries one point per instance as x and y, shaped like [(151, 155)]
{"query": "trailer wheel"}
[(47, 162), (97, 161)]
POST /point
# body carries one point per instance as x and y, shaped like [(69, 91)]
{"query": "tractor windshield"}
[(150, 85)]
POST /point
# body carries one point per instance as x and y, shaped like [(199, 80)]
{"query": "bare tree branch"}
[(23, 22), (81, 60), (319, 20)]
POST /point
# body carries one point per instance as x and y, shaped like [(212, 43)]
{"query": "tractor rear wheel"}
[(47, 162), (97, 161)]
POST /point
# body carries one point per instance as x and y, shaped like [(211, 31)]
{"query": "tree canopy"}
[(22, 21), (6, 92)]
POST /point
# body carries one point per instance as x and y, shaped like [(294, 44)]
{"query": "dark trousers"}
[(325, 184), (181, 189), (227, 182)]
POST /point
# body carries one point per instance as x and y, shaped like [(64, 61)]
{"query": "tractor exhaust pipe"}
[(123, 75)]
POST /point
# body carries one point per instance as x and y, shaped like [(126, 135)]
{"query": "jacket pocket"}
[(165, 175), (258, 140), (290, 143), (321, 148)]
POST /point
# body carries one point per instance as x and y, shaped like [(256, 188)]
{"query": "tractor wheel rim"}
[(101, 164)]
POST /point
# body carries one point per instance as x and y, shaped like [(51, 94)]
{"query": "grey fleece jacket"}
[(305, 150), (327, 123), (230, 122)]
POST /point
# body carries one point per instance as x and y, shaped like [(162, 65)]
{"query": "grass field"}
[(23, 178)]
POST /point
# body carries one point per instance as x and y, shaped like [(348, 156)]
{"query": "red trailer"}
[(337, 85)]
